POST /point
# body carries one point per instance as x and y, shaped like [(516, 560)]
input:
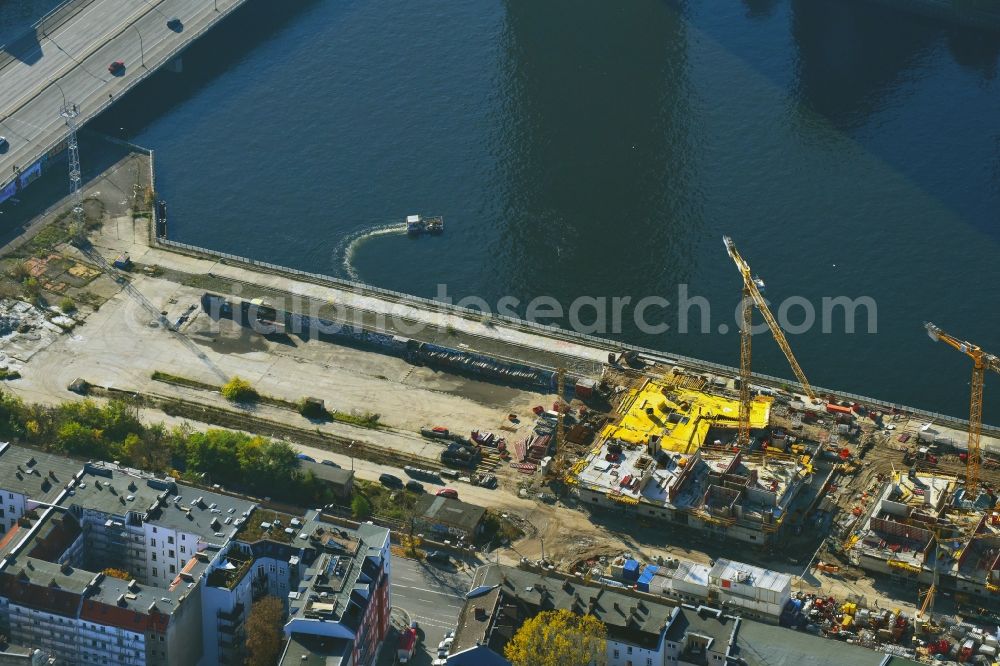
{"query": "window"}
[(183, 549), (173, 569), (152, 542), (154, 530), (154, 572), (172, 554), (616, 654), (628, 650), (649, 661), (170, 539), (154, 559)]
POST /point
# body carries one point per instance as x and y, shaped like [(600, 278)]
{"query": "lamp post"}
[(142, 52)]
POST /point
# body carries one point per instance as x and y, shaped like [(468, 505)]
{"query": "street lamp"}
[(142, 52), (349, 448)]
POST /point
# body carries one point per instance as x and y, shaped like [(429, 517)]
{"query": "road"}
[(70, 65), (433, 596)]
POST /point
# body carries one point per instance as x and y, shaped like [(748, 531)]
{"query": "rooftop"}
[(700, 631), (334, 475), (310, 650), (518, 594), (115, 491), (335, 587), (264, 524), (760, 644), (40, 476), (450, 512), (748, 574)]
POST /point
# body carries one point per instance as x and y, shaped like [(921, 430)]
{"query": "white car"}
[(439, 662)]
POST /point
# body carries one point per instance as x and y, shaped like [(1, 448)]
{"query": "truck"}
[(406, 645)]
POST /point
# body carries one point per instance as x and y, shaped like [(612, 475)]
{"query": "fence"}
[(553, 331)]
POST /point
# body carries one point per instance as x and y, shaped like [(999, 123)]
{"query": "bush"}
[(361, 508), (67, 305), (239, 390)]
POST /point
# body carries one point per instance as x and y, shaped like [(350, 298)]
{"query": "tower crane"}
[(561, 412), (981, 361), (753, 296)]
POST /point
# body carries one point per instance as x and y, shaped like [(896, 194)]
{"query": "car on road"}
[(117, 67), (390, 481), (303, 456), (414, 486), (439, 662), (4, 144), (330, 463), (438, 556), (175, 24), (450, 493)]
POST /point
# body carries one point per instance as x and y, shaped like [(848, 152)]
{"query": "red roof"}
[(124, 618)]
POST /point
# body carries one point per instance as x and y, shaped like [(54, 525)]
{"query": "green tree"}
[(264, 632), (239, 390), (77, 438), (558, 638), (361, 508)]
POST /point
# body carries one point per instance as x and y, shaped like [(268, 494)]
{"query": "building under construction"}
[(922, 528), (655, 461)]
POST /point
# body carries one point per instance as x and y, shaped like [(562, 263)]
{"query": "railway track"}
[(225, 418)]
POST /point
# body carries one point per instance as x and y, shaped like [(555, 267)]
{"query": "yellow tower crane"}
[(752, 296), (980, 362), (560, 413)]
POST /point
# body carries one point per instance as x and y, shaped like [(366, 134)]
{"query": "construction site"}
[(593, 450)]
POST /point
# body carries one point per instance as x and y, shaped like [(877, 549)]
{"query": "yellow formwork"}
[(681, 418)]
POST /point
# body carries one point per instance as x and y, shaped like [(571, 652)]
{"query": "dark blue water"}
[(603, 149)]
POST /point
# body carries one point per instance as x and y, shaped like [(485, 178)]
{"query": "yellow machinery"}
[(752, 296), (980, 362)]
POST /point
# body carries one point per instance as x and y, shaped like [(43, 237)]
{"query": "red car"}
[(450, 493), (117, 67)]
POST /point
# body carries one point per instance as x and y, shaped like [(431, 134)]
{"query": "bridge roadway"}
[(69, 64)]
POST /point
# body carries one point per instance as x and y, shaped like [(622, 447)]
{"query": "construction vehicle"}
[(752, 296), (913, 454), (980, 362)]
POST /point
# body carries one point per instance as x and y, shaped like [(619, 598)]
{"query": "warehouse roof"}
[(334, 475), (767, 645), (451, 512)]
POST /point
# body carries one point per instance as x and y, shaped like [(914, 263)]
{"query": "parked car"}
[(330, 463), (414, 486), (175, 24), (4, 144), (450, 493), (117, 67), (303, 456), (438, 556), (390, 481)]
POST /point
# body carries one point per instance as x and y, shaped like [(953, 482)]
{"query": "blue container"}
[(631, 570)]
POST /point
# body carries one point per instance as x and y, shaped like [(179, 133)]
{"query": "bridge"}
[(64, 60)]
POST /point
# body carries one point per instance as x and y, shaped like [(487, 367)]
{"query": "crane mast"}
[(981, 361), (753, 296)]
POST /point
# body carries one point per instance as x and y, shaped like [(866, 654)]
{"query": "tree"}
[(239, 390), (264, 632), (558, 638), (360, 507)]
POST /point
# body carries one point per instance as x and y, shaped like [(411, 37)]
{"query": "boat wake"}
[(349, 245)]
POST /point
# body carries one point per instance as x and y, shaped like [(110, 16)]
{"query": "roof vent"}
[(133, 585), (121, 600)]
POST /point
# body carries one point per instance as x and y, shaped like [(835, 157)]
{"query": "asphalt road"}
[(71, 64), (432, 595)]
